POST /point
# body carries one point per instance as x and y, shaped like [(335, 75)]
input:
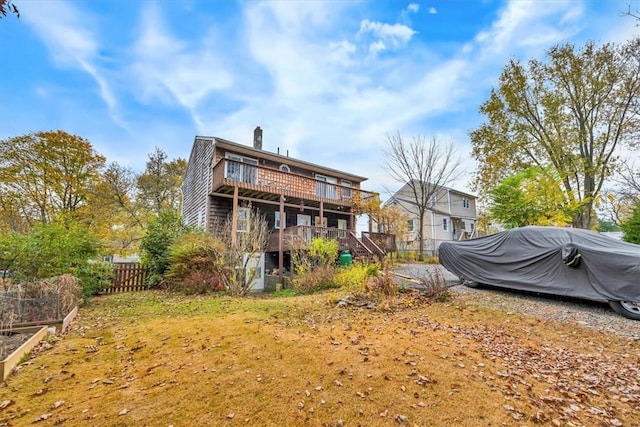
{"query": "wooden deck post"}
[(280, 242), (234, 217), (321, 213)]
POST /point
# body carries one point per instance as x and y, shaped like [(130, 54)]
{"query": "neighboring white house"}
[(451, 215)]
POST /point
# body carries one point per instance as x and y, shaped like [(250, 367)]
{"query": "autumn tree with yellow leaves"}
[(570, 112)]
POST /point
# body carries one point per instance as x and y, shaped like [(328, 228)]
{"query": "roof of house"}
[(250, 151), (442, 187)]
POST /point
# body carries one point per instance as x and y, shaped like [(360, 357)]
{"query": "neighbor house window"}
[(243, 219), (284, 221), (473, 226), (465, 203), (410, 227), (342, 224), (445, 224), (285, 168)]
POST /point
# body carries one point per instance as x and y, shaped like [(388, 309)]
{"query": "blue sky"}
[(326, 80)]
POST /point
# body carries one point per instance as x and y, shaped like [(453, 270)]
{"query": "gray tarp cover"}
[(531, 258)]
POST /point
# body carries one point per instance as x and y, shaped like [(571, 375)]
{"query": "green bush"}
[(94, 277), (354, 278), (631, 227), (47, 250), (323, 251), (195, 263), (161, 232)]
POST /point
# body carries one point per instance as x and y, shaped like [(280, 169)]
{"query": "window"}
[(346, 189), (316, 221), (410, 227), (243, 219), (342, 224), (241, 169), (277, 222), (473, 226), (285, 168), (445, 224), (326, 187), (465, 203)]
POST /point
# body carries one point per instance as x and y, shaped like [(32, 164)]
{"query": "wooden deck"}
[(268, 184)]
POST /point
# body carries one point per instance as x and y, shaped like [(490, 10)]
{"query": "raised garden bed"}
[(15, 344)]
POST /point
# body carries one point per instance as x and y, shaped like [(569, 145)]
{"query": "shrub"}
[(94, 277), (435, 285), (354, 278), (323, 251), (161, 232), (47, 250), (631, 227), (195, 263), (314, 279)]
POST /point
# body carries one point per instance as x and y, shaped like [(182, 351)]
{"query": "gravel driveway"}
[(593, 315)]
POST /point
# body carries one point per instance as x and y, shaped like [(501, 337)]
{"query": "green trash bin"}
[(345, 259)]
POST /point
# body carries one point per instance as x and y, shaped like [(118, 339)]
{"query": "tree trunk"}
[(421, 236)]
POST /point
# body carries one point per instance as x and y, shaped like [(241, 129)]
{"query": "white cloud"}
[(396, 34), (433, 10), (65, 30), (413, 7), (527, 24), (167, 68), (377, 46)]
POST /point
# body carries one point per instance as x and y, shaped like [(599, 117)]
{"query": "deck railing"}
[(260, 178)]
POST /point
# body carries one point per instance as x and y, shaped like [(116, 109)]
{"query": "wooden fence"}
[(128, 277)]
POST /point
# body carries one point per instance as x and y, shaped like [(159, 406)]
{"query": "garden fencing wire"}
[(15, 310)]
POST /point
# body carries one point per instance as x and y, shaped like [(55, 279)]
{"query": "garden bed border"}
[(10, 362)]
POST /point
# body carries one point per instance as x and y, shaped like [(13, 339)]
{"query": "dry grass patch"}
[(156, 359)]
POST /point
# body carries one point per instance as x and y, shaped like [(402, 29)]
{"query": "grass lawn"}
[(155, 359)]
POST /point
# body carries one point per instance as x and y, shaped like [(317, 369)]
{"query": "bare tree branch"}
[(425, 166)]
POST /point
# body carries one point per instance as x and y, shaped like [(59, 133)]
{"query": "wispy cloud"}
[(527, 24), (433, 10), (66, 31), (413, 7), (167, 68)]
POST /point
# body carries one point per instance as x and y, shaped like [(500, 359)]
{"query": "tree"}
[(159, 185), (631, 227), (531, 197), (239, 265), (7, 6), (44, 174), (571, 113), (425, 166), (161, 233)]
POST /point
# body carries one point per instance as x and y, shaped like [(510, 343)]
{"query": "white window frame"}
[(326, 186), (277, 221), (284, 168), (466, 203), (241, 159), (411, 226), (342, 224), (243, 220), (445, 224)]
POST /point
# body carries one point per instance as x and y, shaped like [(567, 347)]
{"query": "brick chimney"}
[(257, 138)]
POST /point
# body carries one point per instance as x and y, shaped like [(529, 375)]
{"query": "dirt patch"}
[(10, 343)]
